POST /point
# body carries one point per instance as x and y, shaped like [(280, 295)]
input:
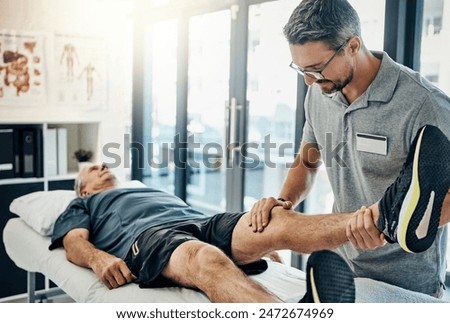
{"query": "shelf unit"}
[(84, 135)]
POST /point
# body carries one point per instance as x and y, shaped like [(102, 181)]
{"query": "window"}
[(271, 96), (434, 63), (160, 102), (371, 14)]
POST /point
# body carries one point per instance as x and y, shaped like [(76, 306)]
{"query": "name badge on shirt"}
[(371, 143)]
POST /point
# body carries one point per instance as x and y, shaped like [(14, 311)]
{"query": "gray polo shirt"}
[(363, 146)]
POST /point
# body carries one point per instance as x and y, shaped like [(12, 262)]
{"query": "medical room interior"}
[(192, 97)]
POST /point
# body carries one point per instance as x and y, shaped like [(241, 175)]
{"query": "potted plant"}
[(83, 156)]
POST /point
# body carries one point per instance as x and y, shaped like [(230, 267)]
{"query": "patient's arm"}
[(112, 271)]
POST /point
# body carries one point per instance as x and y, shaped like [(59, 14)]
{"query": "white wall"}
[(109, 19)]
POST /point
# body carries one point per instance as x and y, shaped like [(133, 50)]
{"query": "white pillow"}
[(41, 209)]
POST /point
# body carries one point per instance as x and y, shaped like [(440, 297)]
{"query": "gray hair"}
[(79, 182), (332, 21)]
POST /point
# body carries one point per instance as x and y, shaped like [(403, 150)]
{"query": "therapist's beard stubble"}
[(330, 87)]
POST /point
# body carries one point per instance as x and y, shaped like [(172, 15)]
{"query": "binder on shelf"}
[(17, 153), (38, 154), (7, 156), (21, 151), (28, 152), (62, 150), (51, 155)]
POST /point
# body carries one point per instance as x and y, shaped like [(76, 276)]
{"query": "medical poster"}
[(22, 73), (80, 71)]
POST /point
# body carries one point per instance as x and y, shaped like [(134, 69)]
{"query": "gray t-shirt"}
[(116, 217), (360, 167)]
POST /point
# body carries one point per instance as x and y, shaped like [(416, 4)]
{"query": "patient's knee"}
[(282, 223), (206, 261), (283, 219), (207, 255)]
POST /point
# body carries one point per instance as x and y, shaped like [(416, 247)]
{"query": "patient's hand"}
[(260, 212), (112, 271), (362, 232)]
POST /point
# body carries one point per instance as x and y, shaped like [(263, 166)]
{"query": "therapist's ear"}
[(354, 45)]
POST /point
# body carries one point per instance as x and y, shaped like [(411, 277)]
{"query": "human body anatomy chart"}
[(22, 72), (80, 65)]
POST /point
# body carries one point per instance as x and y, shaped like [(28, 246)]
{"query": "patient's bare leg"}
[(196, 264), (289, 230), (302, 233)]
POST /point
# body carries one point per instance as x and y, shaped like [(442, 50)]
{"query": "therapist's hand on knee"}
[(260, 212)]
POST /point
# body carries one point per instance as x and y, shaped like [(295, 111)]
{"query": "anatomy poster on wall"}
[(22, 73), (80, 69)]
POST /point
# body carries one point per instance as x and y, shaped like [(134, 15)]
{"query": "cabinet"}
[(13, 280), (78, 135)]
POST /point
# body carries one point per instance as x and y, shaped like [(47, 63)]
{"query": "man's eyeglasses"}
[(316, 74)]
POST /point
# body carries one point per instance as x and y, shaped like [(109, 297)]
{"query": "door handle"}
[(234, 134)]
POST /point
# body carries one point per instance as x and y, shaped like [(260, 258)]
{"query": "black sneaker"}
[(328, 279), (410, 208)]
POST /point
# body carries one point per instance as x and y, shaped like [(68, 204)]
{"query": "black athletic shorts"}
[(151, 251)]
